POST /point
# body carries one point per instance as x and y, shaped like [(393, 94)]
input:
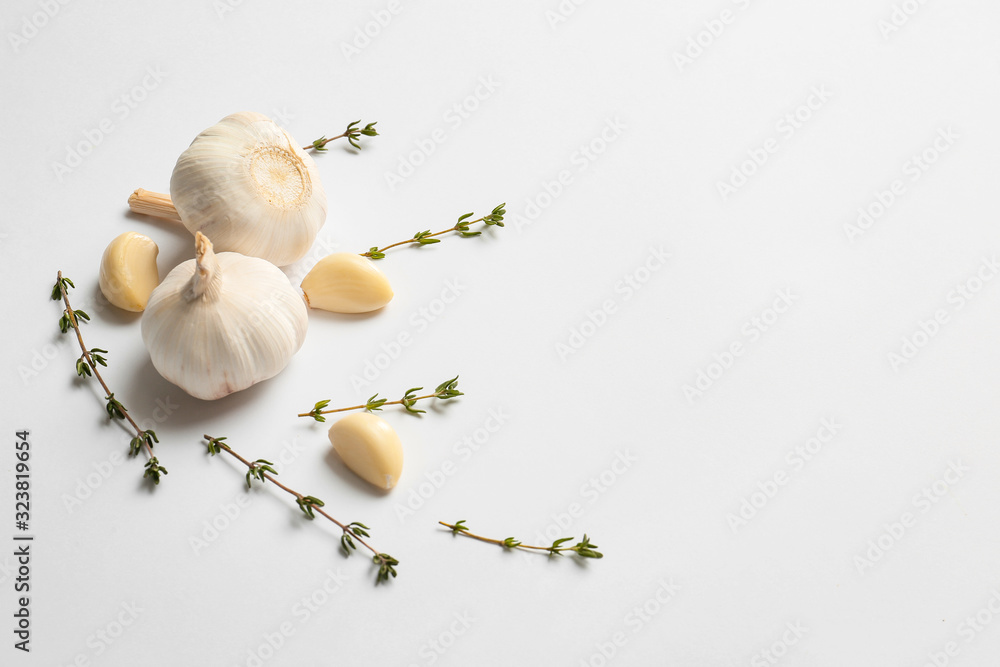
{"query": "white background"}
[(807, 557)]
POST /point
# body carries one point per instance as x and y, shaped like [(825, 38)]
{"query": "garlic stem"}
[(155, 204), (206, 275)]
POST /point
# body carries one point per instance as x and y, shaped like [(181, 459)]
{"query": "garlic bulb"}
[(128, 271), (221, 323), (346, 283), (369, 447), (247, 185)]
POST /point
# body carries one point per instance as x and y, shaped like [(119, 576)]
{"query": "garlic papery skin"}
[(128, 272), (248, 186), (221, 323), (369, 447), (346, 283)]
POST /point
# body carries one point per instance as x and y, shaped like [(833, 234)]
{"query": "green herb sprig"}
[(263, 471), (462, 227), (444, 391), (86, 366), (584, 548), (352, 134)]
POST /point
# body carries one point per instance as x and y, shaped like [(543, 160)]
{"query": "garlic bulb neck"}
[(207, 277)]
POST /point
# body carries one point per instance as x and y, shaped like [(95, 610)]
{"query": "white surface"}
[(522, 291)]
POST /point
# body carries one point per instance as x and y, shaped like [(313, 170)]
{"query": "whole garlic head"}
[(218, 324), (247, 185)]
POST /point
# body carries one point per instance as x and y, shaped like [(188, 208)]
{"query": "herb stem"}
[(365, 406), (271, 478), (143, 437), (486, 539), (309, 504), (495, 217), (86, 353), (352, 134), (444, 391), (584, 548), (320, 143), (443, 231)]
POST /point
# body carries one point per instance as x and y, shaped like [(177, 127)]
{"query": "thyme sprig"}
[(263, 471), (86, 366), (444, 391), (352, 134), (494, 218), (584, 548)]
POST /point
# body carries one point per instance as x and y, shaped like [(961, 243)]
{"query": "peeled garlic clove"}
[(369, 447), (128, 271), (346, 283), (247, 185), (221, 323)]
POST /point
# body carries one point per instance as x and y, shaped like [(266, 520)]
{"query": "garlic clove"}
[(218, 324), (247, 185), (369, 447), (128, 271), (346, 283)]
